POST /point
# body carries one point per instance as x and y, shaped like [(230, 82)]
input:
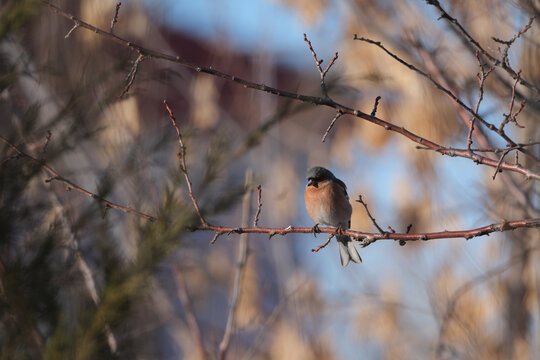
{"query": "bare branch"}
[(460, 30), (318, 64), (304, 98), (371, 217), (453, 96), (486, 150), (71, 30), (115, 18), (130, 78), (183, 166), (71, 185), (323, 245), (509, 117), (366, 239), (508, 43), (338, 114), (259, 205), (483, 141), (497, 169), (47, 140), (482, 75), (374, 111)]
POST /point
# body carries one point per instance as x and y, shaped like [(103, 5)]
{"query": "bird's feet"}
[(315, 230), (339, 229)]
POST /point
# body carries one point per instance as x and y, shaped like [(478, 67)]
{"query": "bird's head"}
[(318, 174)]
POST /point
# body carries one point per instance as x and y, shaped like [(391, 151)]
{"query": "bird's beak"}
[(312, 182)]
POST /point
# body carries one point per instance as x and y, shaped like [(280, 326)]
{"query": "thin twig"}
[(509, 117), (374, 111), (323, 245), (508, 43), (498, 168), (47, 140), (183, 166), (409, 227), (72, 29), (130, 78), (115, 18), (55, 176), (240, 269), (338, 114), (318, 64), (361, 201), (259, 206), (482, 76)]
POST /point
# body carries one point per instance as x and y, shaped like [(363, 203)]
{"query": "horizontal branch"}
[(366, 239), (479, 159)]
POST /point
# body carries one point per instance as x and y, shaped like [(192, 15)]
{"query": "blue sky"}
[(255, 25)]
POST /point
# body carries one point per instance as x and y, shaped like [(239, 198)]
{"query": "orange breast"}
[(328, 205)]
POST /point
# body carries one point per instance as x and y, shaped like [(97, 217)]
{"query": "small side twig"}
[(47, 140), (498, 168), (374, 111), (512, 117), (481, 76), (323, 245), (72, 30), (259, 206), (130, 78), (115, 18), (318, 64), (361, 201), (508, 43), (183, 166), (338, 114)]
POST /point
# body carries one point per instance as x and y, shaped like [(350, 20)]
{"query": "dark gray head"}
[(318, 174)]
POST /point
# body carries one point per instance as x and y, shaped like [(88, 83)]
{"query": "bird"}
[(327, 203)]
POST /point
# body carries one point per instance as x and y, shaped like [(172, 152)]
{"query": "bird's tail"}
[(347, 251)]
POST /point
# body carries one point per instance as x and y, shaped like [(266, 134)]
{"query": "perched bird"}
[(327, 203)]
